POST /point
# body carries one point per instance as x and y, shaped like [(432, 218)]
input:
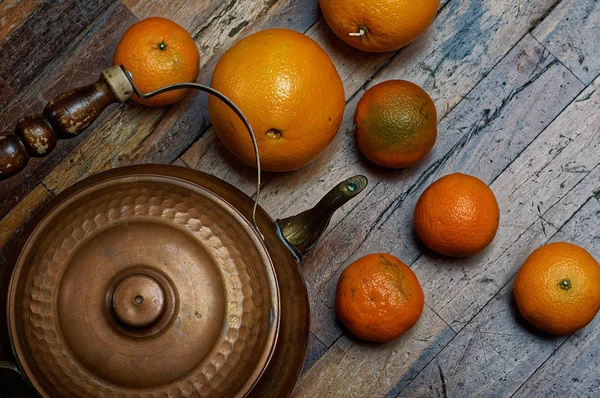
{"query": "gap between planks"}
[(559, 112)]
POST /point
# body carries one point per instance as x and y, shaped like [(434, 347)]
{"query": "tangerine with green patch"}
[(396, 124)]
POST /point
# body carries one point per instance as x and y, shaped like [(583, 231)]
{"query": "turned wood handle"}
[(65, 116)]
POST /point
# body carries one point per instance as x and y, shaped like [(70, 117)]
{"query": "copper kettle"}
[(154, 280)]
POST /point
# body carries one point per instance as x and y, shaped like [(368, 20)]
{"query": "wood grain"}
[(141, 135), (513, 110), (6, 93), (51, 31), (354, 67), (13, 14), (506, 110), (179, 162), (573, 369), (189, 14), (571, 32), (11, 224), (186, 122), (442, 61), (555, 163), (314, 352), (491, 356), (493, 370), (356, 368), (90, 54), (498, 350)]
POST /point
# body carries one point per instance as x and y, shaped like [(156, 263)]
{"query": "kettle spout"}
[(302, 231)]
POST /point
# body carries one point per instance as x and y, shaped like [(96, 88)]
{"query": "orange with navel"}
[(379, 26), (396, 123), (378, 298), (557, 288), (457, 215), (291, 93), (158, 52)]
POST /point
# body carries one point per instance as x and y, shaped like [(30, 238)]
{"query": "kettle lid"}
[(143, 284)]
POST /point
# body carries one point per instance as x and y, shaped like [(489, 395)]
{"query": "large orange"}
[(289, 90), (557, 288), (379, 26), (457, 215), (378, 298), (158, 52), (396, 123)]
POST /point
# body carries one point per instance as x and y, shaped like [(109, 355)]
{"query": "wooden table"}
[(518, 95)]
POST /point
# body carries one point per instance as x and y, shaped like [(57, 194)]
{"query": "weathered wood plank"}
[(571, 32), (314, 352), (11, 225), (357, 368), (50, 31), (498, 350), (573, 369), (187, 121), (189, 14), (13, 14), (6, 93), (354, 67), (447, 75), (505, 111), (122, 144), (179, 162), (481, 270), (91, 54), (207, 153), (559, 159), (471, 37)]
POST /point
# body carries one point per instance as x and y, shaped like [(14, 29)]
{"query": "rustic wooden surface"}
[(517, 88)]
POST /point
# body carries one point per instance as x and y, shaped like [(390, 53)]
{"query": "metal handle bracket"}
[(227, 102)]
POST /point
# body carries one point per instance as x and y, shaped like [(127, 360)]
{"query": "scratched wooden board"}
[(130, 136), (538, 78), (81, 64), (89, 58), (189, 14), (208, 154), (314, 351), (13, 14), (569, 33), (480, 122), (342, 159), (12, 223), (50, 30), (352, 367), (535, 182), (354, 67), (498, 351), (488, 94), (6, 92), (573, 369), (184, 124)]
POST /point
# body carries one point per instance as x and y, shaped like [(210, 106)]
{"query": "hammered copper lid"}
[(143, 286)]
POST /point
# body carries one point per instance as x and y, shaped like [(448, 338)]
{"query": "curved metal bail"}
[(11, 366), (227, 102)]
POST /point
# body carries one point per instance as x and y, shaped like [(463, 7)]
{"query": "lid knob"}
[(138, 300)]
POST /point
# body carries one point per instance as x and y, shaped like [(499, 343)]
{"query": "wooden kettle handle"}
[(65, 116)]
